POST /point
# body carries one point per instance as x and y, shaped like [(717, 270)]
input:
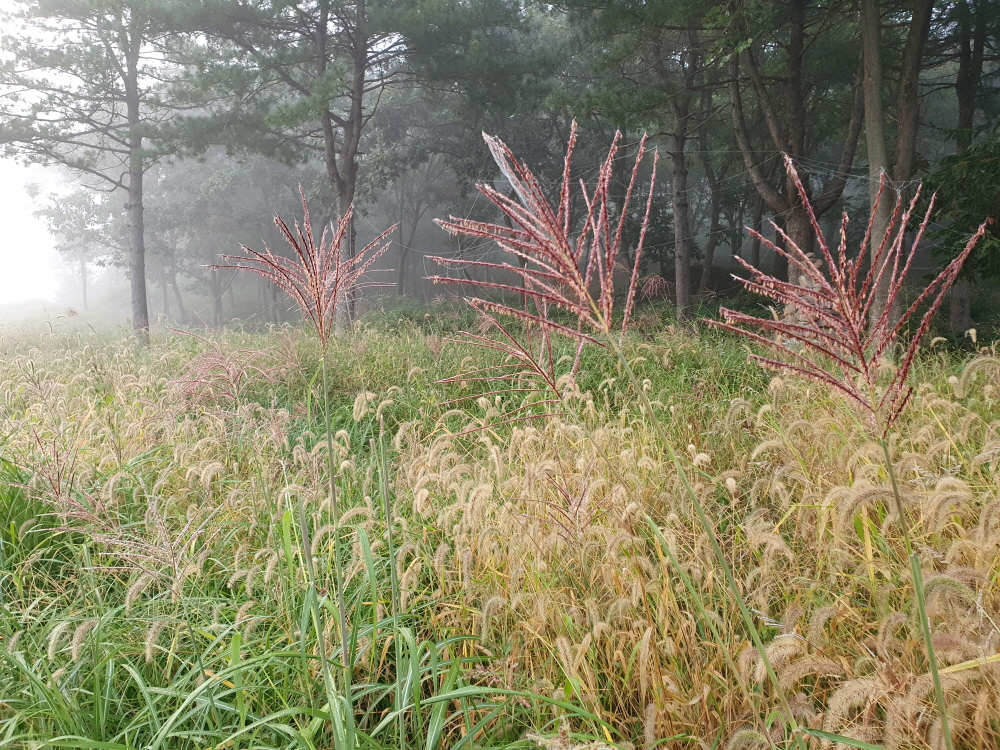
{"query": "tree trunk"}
[(971, 33), (181, 312), (405, 251), (134, 208), (342, 172), (621, 174), (137, 248), (682, 231), (780, 270), (83, 281), (716, 197), (788, 134), (801, 233), (908, 100), (401, 270), (216, 298), (713, 235), (352, 294), (758, 227), (960, 309), (163, 293), (709, 262), (971, 41), (795, 95), (878, 155), (522, 262)]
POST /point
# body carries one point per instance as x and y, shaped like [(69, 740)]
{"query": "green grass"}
[(163, 598)]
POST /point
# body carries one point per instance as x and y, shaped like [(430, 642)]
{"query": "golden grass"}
[(174, 464)]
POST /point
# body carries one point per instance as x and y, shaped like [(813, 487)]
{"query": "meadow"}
[(168, 558), (550, 518)]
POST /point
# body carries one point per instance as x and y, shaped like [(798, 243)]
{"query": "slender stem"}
[(727, 656), (751, 696), (201, 665), (393, 579), (918, 597), (338, 573), (341, 604), (331, 688)]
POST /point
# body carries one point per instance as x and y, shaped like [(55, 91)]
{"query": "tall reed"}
[(562, 264), (832, 339), (320, 278), (559, 264)]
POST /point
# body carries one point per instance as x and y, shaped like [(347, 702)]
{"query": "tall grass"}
[(195, 605), (825, 336), (648, 543), (523, 560)]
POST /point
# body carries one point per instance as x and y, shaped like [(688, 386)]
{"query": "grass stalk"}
[(203, 671), (689, 586), (393, 580), (918, 598), (335, 509), (347, 735)]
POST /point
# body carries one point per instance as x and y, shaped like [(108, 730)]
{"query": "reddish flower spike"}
[(834, 342), (318, 278)]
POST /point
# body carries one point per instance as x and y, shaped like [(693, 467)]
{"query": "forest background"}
[(185, 127)]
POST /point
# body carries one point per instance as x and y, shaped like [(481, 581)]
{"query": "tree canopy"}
[(224, 105)]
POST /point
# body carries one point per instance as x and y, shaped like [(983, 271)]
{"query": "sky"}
[(28, 258)]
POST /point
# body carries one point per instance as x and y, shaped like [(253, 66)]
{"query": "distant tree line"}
[(188, 124)]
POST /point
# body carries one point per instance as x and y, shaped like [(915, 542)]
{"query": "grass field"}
[(169, 549)]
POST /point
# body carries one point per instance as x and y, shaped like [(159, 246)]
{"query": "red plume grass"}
[(836, 339)]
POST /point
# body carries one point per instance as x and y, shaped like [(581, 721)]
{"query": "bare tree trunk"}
[(177, 295), (878, 154), (787, 130), (758, 227), (682, 230), (800, 231), (137, 248), (216, 298), (352, 294), (134, 208), (709, 262), (908, 100), (522, 262), (780, 270), (163, 293), (401, 272), (971, 44), (960, 309), (621, 174), (972, 32), (342, 158), (716, 197), (83, 281)]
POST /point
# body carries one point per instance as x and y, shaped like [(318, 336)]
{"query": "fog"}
[(28, 255)]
